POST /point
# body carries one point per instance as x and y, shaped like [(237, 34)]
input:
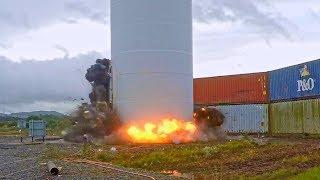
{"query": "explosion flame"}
[(99, 121), (165, 131)]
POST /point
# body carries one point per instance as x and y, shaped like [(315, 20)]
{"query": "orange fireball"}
[(165, 131)]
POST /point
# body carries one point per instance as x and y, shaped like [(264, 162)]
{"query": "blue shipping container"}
[(295, 82), (252, 118), (37, 128)]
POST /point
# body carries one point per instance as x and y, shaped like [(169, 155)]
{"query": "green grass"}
[(159, 157), (57, 126), (172, 156), (198, 158), (313, 173), (277, 174), (289, 173), (105, 156), (9, 129), (53, 152), (297, 159)]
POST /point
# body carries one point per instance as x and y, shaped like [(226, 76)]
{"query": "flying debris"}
[(96, 120), (210, 117), (209, 122)]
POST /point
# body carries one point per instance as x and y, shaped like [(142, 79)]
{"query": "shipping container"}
[(252, 118), (37, 128), (234, 89), (295, 82), (301, 116)]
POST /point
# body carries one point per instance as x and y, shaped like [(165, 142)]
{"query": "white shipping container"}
[(252, 118)]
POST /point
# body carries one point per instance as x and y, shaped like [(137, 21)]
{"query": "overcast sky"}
[(46, 46)]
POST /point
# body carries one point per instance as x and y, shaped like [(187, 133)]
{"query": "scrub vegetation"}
[(9, 128), (55, 125), (243, 158)]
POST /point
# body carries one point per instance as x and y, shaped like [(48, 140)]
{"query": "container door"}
[(312, 116), (286, 117)]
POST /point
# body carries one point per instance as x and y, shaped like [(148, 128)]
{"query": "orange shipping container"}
[(234, 89)]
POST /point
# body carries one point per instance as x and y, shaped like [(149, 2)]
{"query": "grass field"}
[(10, 129), (242, 159), (55, 125), (247, 157)]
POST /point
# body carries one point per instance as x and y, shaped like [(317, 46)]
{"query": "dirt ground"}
[(28, 161), (251, 158), (238, 157)]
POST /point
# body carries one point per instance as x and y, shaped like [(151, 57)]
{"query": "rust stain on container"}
[(234, 89), (295, 117)]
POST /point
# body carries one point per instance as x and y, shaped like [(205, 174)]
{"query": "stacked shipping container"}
[(248, 118), (295, 117), (281, 101), (235, 89), (241, 98), (295, 82), (294, 93)]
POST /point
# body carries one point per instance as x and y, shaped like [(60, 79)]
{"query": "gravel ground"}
[(20, 161), (23, 161)]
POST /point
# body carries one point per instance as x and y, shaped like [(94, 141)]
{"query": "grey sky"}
[(45, 46)]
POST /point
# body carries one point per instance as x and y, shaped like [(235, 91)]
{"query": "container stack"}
[(294, 97), (243, 99)]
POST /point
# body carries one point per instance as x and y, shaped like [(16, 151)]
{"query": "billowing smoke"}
[(96, 120), (99, 121), (209, 123), (99, 75)]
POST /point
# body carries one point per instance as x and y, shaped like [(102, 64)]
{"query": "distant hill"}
[(33, 113), (5, 117)]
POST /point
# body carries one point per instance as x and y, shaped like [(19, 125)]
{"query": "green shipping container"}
[(295, 117)]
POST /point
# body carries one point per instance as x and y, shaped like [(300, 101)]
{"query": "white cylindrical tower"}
[(152, 59)]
